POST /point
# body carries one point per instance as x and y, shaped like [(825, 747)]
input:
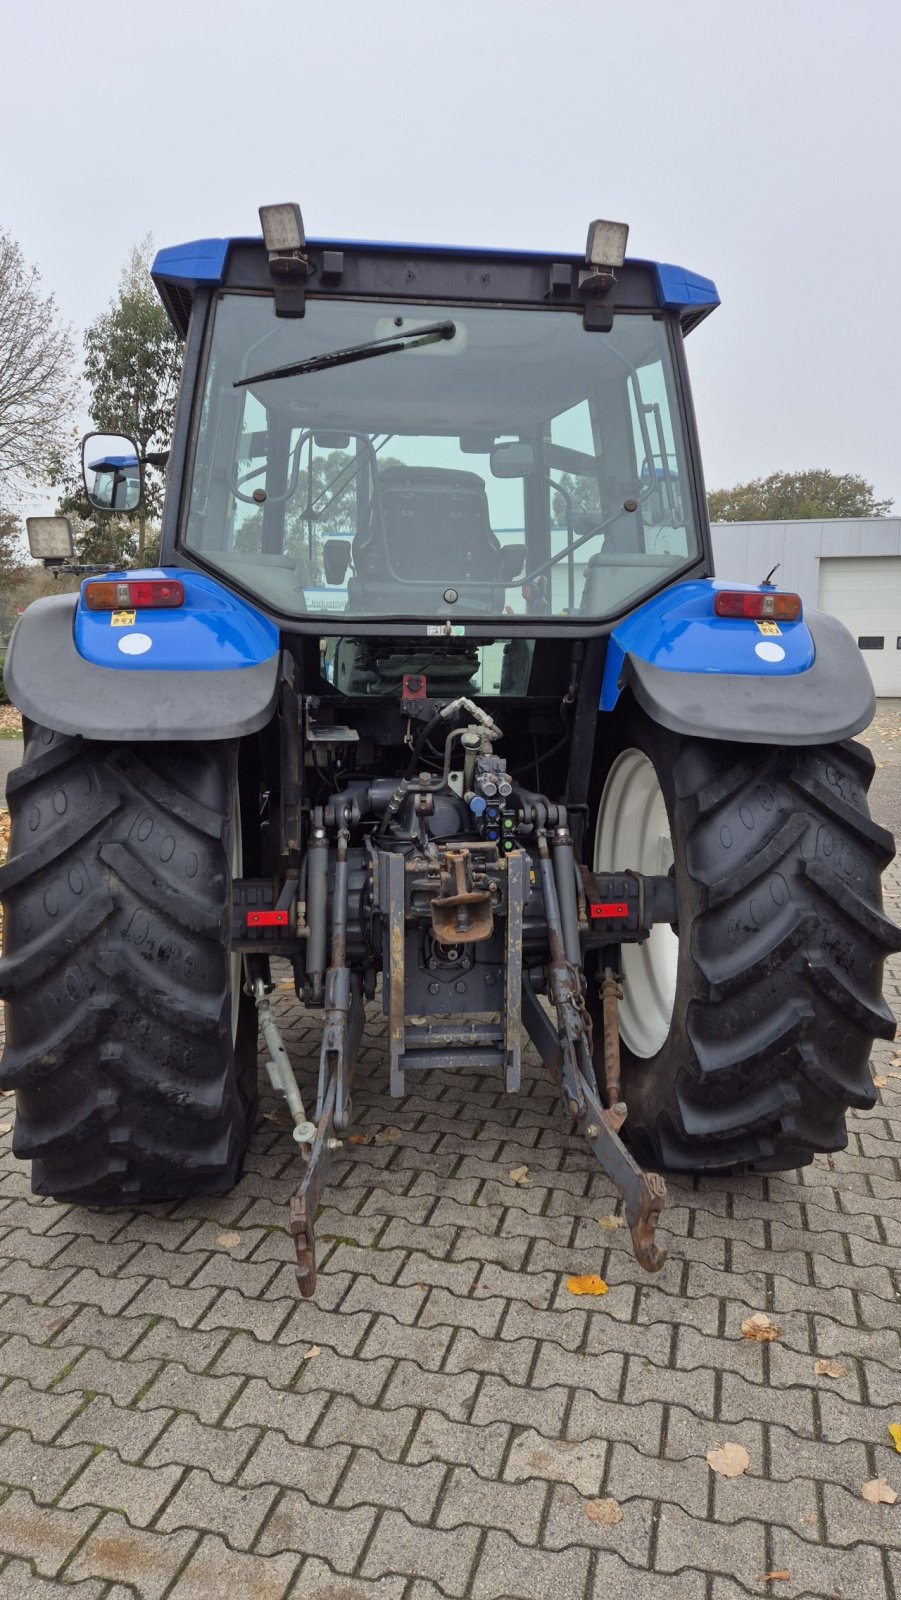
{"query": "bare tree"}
[(38, 383)]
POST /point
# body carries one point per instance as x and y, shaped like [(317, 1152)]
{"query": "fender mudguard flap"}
[(51, 683), (832, 700)]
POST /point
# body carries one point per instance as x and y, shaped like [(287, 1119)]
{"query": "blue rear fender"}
[(801, 682), (214, 631), (207, 669)]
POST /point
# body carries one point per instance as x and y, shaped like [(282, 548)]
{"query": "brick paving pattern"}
[(175, 1423)]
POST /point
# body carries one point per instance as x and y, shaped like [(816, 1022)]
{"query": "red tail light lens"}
[(763, 607), (134, 594)]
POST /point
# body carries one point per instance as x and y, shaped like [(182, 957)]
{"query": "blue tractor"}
[(435, 697)]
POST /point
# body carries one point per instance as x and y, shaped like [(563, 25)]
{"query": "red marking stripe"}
[(609, 908), (267, 919)]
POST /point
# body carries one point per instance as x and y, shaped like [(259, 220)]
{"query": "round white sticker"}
[(767, 651), (135, 644)]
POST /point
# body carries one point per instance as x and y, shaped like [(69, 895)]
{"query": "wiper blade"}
[(411, 339)]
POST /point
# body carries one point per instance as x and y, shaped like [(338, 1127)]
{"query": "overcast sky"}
[(756, 143)]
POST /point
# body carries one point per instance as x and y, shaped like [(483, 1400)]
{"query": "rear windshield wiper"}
[(410, 339)]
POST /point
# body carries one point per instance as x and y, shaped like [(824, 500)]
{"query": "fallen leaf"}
[(878, 1492), (277, 1117), (760, 1327), (60, 1323), (314, 1350), (729, 1460), (610, 1222), (607, 1512), (422, 1287), (388, 1136), (519, 1175), (6, 1093), (778, 1575), (227, 1241), (5, 1127), (880, 1083), (358, 1138), (894, 1429), (829, 1369), (590, 1283)]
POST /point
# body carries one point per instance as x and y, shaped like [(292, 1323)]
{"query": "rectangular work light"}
[(49, 538), (606, 245), (282, 228)]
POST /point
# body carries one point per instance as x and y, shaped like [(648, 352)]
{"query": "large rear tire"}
[(744, 1042), (129, 1041)]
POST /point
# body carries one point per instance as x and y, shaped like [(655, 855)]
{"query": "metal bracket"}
[(281, 1074)]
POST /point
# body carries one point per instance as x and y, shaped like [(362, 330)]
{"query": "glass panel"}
[(522, 467)]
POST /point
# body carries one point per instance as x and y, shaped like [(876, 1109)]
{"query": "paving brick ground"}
[(165, 1430)]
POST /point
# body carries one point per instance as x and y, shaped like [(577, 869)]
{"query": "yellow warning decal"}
[(126, 619), (770, 628)]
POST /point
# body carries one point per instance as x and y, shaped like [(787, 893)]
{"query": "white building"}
[(848, 566)]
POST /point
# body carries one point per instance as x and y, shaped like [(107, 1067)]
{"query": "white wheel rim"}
[(237, 961), (633, 832)]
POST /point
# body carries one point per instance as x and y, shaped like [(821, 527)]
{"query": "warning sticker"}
[(122, 619), (447, 630), (770, 628)]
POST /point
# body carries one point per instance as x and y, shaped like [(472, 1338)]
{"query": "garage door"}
[(865, 593)]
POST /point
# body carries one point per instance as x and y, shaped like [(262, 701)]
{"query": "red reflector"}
[(608, 908), (134, 594), (762, 607), (267, 919)]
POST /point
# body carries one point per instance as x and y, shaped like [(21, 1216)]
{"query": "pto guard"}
[(732, 678), (204, 670)]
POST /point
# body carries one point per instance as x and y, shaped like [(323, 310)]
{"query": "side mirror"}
[(512, 460), (513, 559), (111, 469), (335, 559), (50, 539)]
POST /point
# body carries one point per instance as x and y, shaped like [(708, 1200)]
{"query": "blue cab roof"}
[(202, 262)]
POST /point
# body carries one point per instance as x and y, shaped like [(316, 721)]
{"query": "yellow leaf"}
[(610, 1222), (894, 1429), (607, 1512), (829, 1369), (314, 1350), (878, 1493), (778, 1575), (590, 1283), (227, 1241), (760, 1327), (519, 1175), (729, 1460), (879, 1083), (5, 1127)]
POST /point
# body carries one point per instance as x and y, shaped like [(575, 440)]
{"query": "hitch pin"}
[(281, 1073)]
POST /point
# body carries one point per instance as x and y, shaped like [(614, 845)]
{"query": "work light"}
[(606, 245), (282, 228), (49, 538)]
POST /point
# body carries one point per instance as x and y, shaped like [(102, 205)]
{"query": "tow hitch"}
[(468, 938)]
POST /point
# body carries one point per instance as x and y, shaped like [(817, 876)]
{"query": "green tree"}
[(132, 365), (785, 496), (37, 378)]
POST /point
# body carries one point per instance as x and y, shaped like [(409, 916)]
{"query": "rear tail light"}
[(751, 603), (134, 594)]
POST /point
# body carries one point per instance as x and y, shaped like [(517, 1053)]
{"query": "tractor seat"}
[(436, 528)]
